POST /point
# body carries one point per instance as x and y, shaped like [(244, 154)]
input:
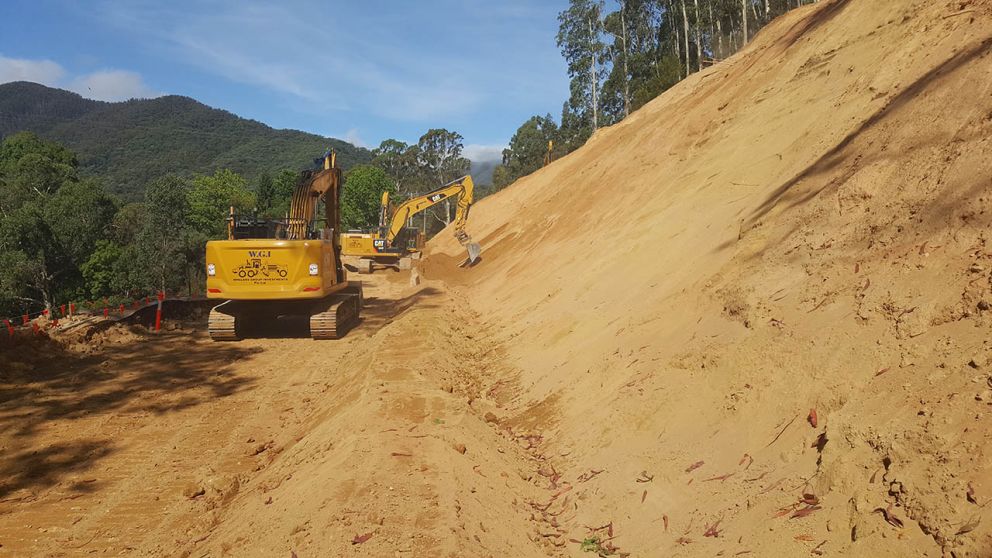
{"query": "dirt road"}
[(174, 445)]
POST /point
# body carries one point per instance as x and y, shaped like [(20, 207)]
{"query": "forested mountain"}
[(129, 144)]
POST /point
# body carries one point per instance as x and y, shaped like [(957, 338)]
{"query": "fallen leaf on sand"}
[(694, 466), (805, 511), (359, 539), (970, 526), (890, 517)]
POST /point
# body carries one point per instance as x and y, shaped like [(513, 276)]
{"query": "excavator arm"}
[(461, 188), (310, 189)]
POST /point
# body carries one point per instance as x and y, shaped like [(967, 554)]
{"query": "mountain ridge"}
[(131, 143)]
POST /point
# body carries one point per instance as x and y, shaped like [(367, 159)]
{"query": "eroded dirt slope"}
[(758, 310)]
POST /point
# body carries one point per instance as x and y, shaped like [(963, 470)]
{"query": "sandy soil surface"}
[(753, 319), (174, 445), (761, 304)]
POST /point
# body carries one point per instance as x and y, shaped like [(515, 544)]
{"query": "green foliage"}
[(502, 177), (130, 144), (527, 149), (78, 215), (360, 202), (402, 163), (106, 272), (51, 223), (580, 39), (265, 192), (440, 156), (163, 241), (31, 168), (210, 199), (128, 223), (282, 194)]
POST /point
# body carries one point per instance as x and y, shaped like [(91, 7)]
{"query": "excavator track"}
[(337, 319), (222, 326), (329, 318)]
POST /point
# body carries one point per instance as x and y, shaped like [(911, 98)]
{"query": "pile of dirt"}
[(754, 316)]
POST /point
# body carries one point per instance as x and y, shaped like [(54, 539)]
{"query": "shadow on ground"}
[(49, 387)]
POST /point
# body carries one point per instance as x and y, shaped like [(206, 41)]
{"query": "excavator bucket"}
[(474, 251)]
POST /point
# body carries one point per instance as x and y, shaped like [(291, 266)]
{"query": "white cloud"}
[(352, 137), (44, 72), (482, 153), (112, 85), (104, 85)]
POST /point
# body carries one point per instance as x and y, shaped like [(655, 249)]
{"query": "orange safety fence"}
[(47, 319)]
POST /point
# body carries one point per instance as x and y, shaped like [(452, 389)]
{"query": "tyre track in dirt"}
[(273, 446), (397, 455)]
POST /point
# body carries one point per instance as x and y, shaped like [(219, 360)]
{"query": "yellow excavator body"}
[(384, 243), (277, 271)]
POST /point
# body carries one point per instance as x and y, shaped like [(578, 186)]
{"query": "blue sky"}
[(361, 70)]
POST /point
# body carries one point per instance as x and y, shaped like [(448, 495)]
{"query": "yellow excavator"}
[(549, 154), (276, 270), (394, 243)]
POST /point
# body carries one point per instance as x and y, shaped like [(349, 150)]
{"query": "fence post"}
[(158, 311)]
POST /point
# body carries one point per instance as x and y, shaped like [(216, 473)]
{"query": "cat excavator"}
[(393, 243), (270, 272)]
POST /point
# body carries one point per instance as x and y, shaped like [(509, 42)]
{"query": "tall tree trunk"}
[(699, 38), (719, 39), (768, 10), (675, 35), (685, 28), (593, 82), (743, 23), (626, 54), (713, 52)]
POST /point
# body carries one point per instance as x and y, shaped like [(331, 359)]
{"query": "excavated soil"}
[(753, 319)]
